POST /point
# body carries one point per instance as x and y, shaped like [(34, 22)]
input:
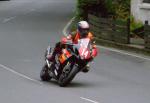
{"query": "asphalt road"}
[(27, 27)]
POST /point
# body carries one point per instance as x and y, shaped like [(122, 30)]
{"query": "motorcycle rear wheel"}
[(44, 75)]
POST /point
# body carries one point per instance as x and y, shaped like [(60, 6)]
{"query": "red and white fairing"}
[(84, 51)]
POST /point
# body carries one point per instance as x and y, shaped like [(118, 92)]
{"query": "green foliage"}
[(116, 8), (122, 8), (119, 9), (109, 6), (83, 6), (135, 24)]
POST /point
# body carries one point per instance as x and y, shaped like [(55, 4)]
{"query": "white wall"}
[(141, 11)]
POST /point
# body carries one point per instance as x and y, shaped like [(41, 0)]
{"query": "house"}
[(140, 9)]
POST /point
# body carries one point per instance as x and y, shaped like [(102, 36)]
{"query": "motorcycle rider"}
[(81, 32)]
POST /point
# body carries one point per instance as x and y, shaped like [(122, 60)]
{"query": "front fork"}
[(48, 63)]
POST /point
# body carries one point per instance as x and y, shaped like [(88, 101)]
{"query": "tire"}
[(44, 75), (64, 81)]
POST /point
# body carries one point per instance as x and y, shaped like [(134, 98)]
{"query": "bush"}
[(83, 8), (104, 8), (135, 24), (109, 6), (136, 28), (122, 9)]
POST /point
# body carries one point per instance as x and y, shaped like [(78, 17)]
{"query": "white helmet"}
[(83, 28)]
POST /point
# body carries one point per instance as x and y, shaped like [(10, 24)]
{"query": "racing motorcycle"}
[(72, 59)]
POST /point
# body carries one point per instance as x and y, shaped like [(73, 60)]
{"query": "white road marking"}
[(8, 19), (19, 74), (13, 17), (125, 53), (86, 99), (67, 26)]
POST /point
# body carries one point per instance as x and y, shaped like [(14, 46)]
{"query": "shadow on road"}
[(73, 84), (80, 84)]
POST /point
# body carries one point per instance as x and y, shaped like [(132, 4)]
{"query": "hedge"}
[(103, 8)]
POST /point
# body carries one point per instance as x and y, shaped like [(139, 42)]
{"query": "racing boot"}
[(86, 68)]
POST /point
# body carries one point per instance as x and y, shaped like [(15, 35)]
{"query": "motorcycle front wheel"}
[(67, 75)]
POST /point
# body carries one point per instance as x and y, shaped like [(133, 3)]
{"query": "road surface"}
[(27, 27)]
